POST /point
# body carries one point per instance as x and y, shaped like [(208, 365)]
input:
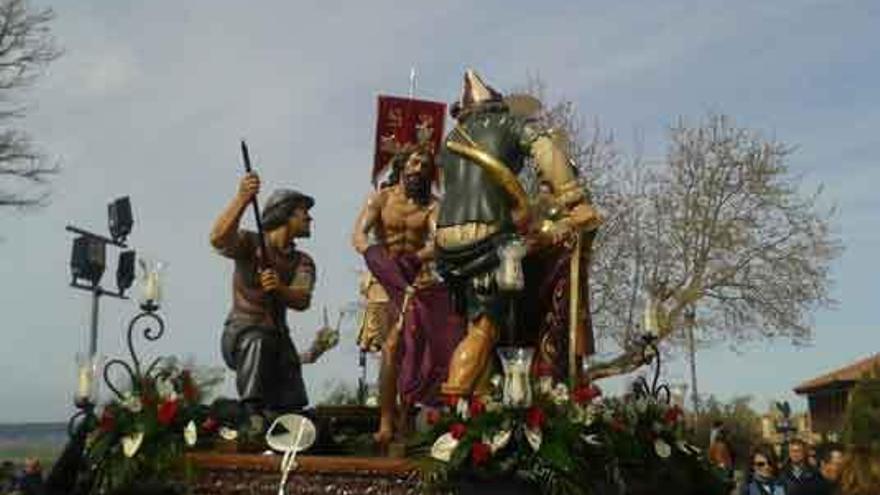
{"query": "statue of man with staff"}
[(266, 282)]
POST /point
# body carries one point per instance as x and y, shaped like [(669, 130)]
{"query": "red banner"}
[(406, 122)]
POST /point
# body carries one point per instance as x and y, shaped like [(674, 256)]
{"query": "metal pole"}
[(93, 333)]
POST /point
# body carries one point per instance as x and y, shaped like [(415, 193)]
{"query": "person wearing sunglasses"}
[(762, 479)]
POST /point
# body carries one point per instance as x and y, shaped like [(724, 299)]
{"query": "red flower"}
[(617, 424), (672, 415), (210, 425), (477, 407), (535, 418), (167, 412), (451, 400), (480, 453), (107, 421), (585, 393), (457, 430), (432, 416)]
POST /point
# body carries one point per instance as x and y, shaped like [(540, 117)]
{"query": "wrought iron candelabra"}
[(651, 355)]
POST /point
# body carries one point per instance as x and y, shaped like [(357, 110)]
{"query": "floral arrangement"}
[(568, 441), (143, 432)]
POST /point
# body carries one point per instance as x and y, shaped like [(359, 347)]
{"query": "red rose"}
[(480, 453), (432, 416), (107, 421), (585, 393), (210, 425), (618, 425), (535, 418), (167, 412), (672, 415), (457, 430), (451, 400), (476, 407)]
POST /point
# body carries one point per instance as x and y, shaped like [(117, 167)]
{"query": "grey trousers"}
[(267, 366)]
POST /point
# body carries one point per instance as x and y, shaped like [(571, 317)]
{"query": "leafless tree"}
[(720, 229), (26, 47)]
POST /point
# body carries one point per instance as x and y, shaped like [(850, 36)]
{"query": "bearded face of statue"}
[(417, 178)]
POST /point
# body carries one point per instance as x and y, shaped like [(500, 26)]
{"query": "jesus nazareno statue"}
[(256, 339)]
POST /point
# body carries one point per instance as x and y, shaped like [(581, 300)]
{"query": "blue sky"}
[(151, 98)]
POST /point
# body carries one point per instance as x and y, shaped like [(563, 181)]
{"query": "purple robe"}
[(431, 329)]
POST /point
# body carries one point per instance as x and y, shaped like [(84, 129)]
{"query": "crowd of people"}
[(21, 480), (826, 469)]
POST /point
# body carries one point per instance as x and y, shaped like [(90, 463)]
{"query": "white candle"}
[(84, 381), (151, 288)]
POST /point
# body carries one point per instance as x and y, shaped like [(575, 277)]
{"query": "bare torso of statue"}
[(404, 224), (401, 217)]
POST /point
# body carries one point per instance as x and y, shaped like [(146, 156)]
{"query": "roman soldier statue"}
[(486, 223)]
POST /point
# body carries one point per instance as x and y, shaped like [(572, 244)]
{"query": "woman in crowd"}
[(860, 473), (762, 479)]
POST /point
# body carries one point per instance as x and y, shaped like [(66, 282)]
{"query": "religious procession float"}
[(476, 299)]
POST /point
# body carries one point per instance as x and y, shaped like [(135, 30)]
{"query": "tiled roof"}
[(847, 374)]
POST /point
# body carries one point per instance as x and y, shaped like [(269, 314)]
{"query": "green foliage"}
[(140, 435), (741, 422), (862, 427), (580, 438)]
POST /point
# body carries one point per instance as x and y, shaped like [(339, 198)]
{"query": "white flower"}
[(165, 389), (190, 434), (372, 401), (534, 438), (560, 394), (132, 443), (443, 447), (499, 440), (228, 433), (662, 449), (132, 403), (463, 409), (591, 439)]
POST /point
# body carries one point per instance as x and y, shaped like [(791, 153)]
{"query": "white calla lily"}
[(190, 433), (443, 447), (662, 449), (228, 433), (132, 443), (534, 438), (499, 440)]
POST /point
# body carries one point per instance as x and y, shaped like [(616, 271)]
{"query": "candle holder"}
[(651, 354), (509, 274), (150, 282), (151, 333), (516, 386)]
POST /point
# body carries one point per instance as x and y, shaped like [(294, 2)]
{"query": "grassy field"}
[(41, 440)]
